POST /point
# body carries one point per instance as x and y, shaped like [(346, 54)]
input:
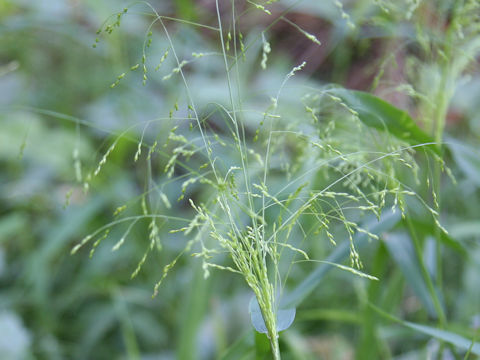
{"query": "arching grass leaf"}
[(379, 114), (444, 335)]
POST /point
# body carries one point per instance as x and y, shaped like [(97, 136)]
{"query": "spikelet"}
[(266, 49), (104, 159)]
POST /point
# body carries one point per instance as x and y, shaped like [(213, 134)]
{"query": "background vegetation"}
[(59, 117)]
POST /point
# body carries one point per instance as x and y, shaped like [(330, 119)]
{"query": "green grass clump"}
[(307, 164), (276, 190)]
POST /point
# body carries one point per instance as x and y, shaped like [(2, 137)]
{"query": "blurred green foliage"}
[(57, 111)]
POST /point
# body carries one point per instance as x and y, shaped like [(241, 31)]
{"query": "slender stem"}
[(440, 118), (266, 302), (272, 333), (442, 100), (275, 348)]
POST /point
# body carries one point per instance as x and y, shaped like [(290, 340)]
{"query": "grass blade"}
[(386, 223), (443, 335), (379, 114), (401, 249)]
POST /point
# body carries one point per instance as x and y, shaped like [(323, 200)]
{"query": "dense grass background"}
[(56, 102)]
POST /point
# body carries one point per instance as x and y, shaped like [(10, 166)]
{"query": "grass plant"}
[(287, 180), (223, 149)]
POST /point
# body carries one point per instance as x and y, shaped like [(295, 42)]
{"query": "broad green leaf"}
[(379, 114), (444, 335)]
